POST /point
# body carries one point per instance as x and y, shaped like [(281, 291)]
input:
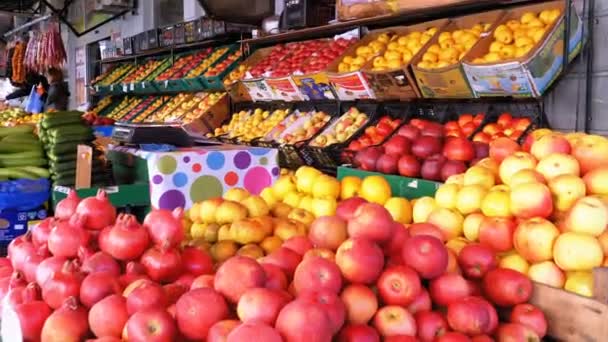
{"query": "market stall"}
[(394, 175)]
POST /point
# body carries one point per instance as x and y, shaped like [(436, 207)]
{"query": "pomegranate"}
[(41, 231), (198, 310), (125, 240), (133, 272), (99, 262), (67, 237), (67, 206), (32, 314), (19, 249), (67, 323), (97, 286), (62, 285), (97, 212), (165, 227), (162, 265), (30, 265), (47, 267)]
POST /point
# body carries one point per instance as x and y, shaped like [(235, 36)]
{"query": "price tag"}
[(125, 88), (143, 85), (132, 86), (166, 83), (111, 87)]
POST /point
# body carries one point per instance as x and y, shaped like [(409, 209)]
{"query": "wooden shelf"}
[(412, 17)]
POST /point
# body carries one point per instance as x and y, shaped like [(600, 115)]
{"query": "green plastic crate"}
[(410, 188)]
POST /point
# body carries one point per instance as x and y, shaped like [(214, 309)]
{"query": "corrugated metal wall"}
[(568, 98)]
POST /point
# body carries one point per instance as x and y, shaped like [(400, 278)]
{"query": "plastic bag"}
[(24, 194), (34, 102)]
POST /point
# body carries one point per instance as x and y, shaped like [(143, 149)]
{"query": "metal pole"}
[(24, 26), (589, 71)]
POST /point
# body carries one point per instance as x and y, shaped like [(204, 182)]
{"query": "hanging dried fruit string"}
[(45, 49)]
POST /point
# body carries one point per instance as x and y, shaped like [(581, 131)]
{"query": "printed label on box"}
[(441, 84), (258, 90), (350, 87), (315, 87), (508, 79), (284, 89), (14, 223)]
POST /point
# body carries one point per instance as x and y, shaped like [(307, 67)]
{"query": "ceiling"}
[(10, 8)]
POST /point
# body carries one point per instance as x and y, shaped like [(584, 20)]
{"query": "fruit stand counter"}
[(182, 177)]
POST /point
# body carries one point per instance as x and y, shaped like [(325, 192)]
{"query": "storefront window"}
[(169, 12)]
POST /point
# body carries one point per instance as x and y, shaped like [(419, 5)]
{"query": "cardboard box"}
[(253, 89), (531, 75), (382, 85), (451, 81), (14, 223), (284, 89), (410, 188), (210, 119), (357, 9)]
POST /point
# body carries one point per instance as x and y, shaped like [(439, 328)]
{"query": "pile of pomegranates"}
[(89, 273)]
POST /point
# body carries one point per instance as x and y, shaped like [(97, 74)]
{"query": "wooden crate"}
[(572, 317)]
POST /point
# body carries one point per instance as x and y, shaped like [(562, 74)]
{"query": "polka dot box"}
[(186, 176)]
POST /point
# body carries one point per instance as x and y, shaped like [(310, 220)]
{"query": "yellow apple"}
[(268, 195), (229, 212), (577, 252), (580, 283), (208, 208), (306, 203), (513, 163), (479, 175), (457, 244), (324, 206), (470, 226), (284, 185), (422, 207), (557, 164), (596, 181), (400, 209), (349, 187), (530, 200), (497, 202), (566, 190), (256, 206), (534, 238), (236, 194), (301, 215), (515, 262), (448, 220), (375, 189), (326, 186), (526, 176), (588, 215), (469, 198), (305, 178), (547, 273), (446, 195)]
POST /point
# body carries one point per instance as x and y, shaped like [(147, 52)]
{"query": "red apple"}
[(482, 150), (238, 274), (433, 129), (470, 315), (261, 304), (298, 244), (253, 331), (497, 233), (360, 302), (430, 325), (408, 166), (426, 146), (422, 302), (426, 229), (198, 310), (387, 164), (346, 209), (317, 273), (366, 158), (516, 332), (283, 257), (397, 146), (360, 260), (358, 333), (331, 303), (329, 231), (431, 167), (394, 320), (409, 131), (394, 246), (425, 254), (304, 321), (275, 277), (452, 167), (202, 281), (459, 149), (398, 285), (476, 260), (151, 325), (450, 287), (371, 221), (453, 336), (219, 331), (507, 287), (530, 316)]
